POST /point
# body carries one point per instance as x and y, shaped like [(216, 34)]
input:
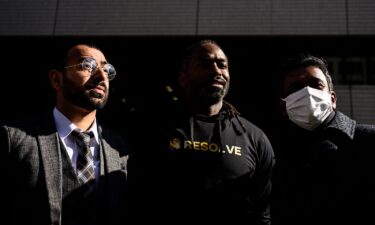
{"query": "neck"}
[(210, 110), (82, 118)]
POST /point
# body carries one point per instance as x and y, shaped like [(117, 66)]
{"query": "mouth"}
[(98, 89), (217, 82)]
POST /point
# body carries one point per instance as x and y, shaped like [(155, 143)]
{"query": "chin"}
[(213, 99), (99, 105), (95, 103)]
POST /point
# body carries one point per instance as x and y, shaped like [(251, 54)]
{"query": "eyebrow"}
[(316, 79), (103, 62), (207, 57), (85, 57), (82, 58), (223, 59)]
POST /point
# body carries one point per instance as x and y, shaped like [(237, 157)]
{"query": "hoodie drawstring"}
[(191, 123)]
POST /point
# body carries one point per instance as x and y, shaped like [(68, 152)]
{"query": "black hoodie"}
[(211, 168)]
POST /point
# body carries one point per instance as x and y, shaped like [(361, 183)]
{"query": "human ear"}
[(55, 79), (333, 99), (282, 107), (182, 79)]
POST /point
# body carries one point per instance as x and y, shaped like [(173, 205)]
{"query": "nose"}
[(101, 73), (214, 69)]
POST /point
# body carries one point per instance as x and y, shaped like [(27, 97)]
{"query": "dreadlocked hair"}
[(233, 112), (230, 109)]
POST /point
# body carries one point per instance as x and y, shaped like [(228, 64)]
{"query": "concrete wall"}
[(187, 17), (357, 101)]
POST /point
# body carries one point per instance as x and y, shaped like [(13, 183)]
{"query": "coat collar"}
[(343, 124)]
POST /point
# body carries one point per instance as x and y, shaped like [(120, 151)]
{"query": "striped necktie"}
[(85, 165)]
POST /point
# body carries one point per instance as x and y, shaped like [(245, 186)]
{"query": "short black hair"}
[(190, 50), (304, 60), (63, 55)]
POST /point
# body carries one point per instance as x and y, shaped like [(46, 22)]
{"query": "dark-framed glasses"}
[(90, 65)]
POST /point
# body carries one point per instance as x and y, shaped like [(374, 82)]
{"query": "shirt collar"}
[(64, 126)]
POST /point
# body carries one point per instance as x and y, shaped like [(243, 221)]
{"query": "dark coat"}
[(324, 176)]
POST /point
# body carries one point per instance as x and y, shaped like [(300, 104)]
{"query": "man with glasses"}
[(52, 176)]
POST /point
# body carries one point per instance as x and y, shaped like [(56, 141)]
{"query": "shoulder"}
[(256, 135), (364, 130), (259, 142), (22, 136), (252, 129), (351, 127), (26, 127), (114, 140)]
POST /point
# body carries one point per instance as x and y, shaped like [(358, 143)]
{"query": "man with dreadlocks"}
[(213, 165)]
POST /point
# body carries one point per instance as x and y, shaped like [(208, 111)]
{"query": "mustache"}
[(92, 85), (217, 78)]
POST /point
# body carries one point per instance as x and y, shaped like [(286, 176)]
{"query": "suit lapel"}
[(113, 176), (109, 157), (51, 159)]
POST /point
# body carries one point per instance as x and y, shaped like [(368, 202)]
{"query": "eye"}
[(222, 65), (89, 64), (108, 68), (317, 85)]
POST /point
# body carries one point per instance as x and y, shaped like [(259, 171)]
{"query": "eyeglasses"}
[(91, 66)]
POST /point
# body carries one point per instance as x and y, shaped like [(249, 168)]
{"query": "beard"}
[(206, 94), (84, 96)]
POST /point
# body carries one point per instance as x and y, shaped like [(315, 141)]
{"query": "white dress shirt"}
[(64, 127)]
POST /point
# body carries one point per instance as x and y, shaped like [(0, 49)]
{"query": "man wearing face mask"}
[(322, 174)]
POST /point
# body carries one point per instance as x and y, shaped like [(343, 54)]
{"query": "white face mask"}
[(308, 107)]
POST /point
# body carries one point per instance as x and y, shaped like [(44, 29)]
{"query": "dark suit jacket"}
[(31, 160)]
